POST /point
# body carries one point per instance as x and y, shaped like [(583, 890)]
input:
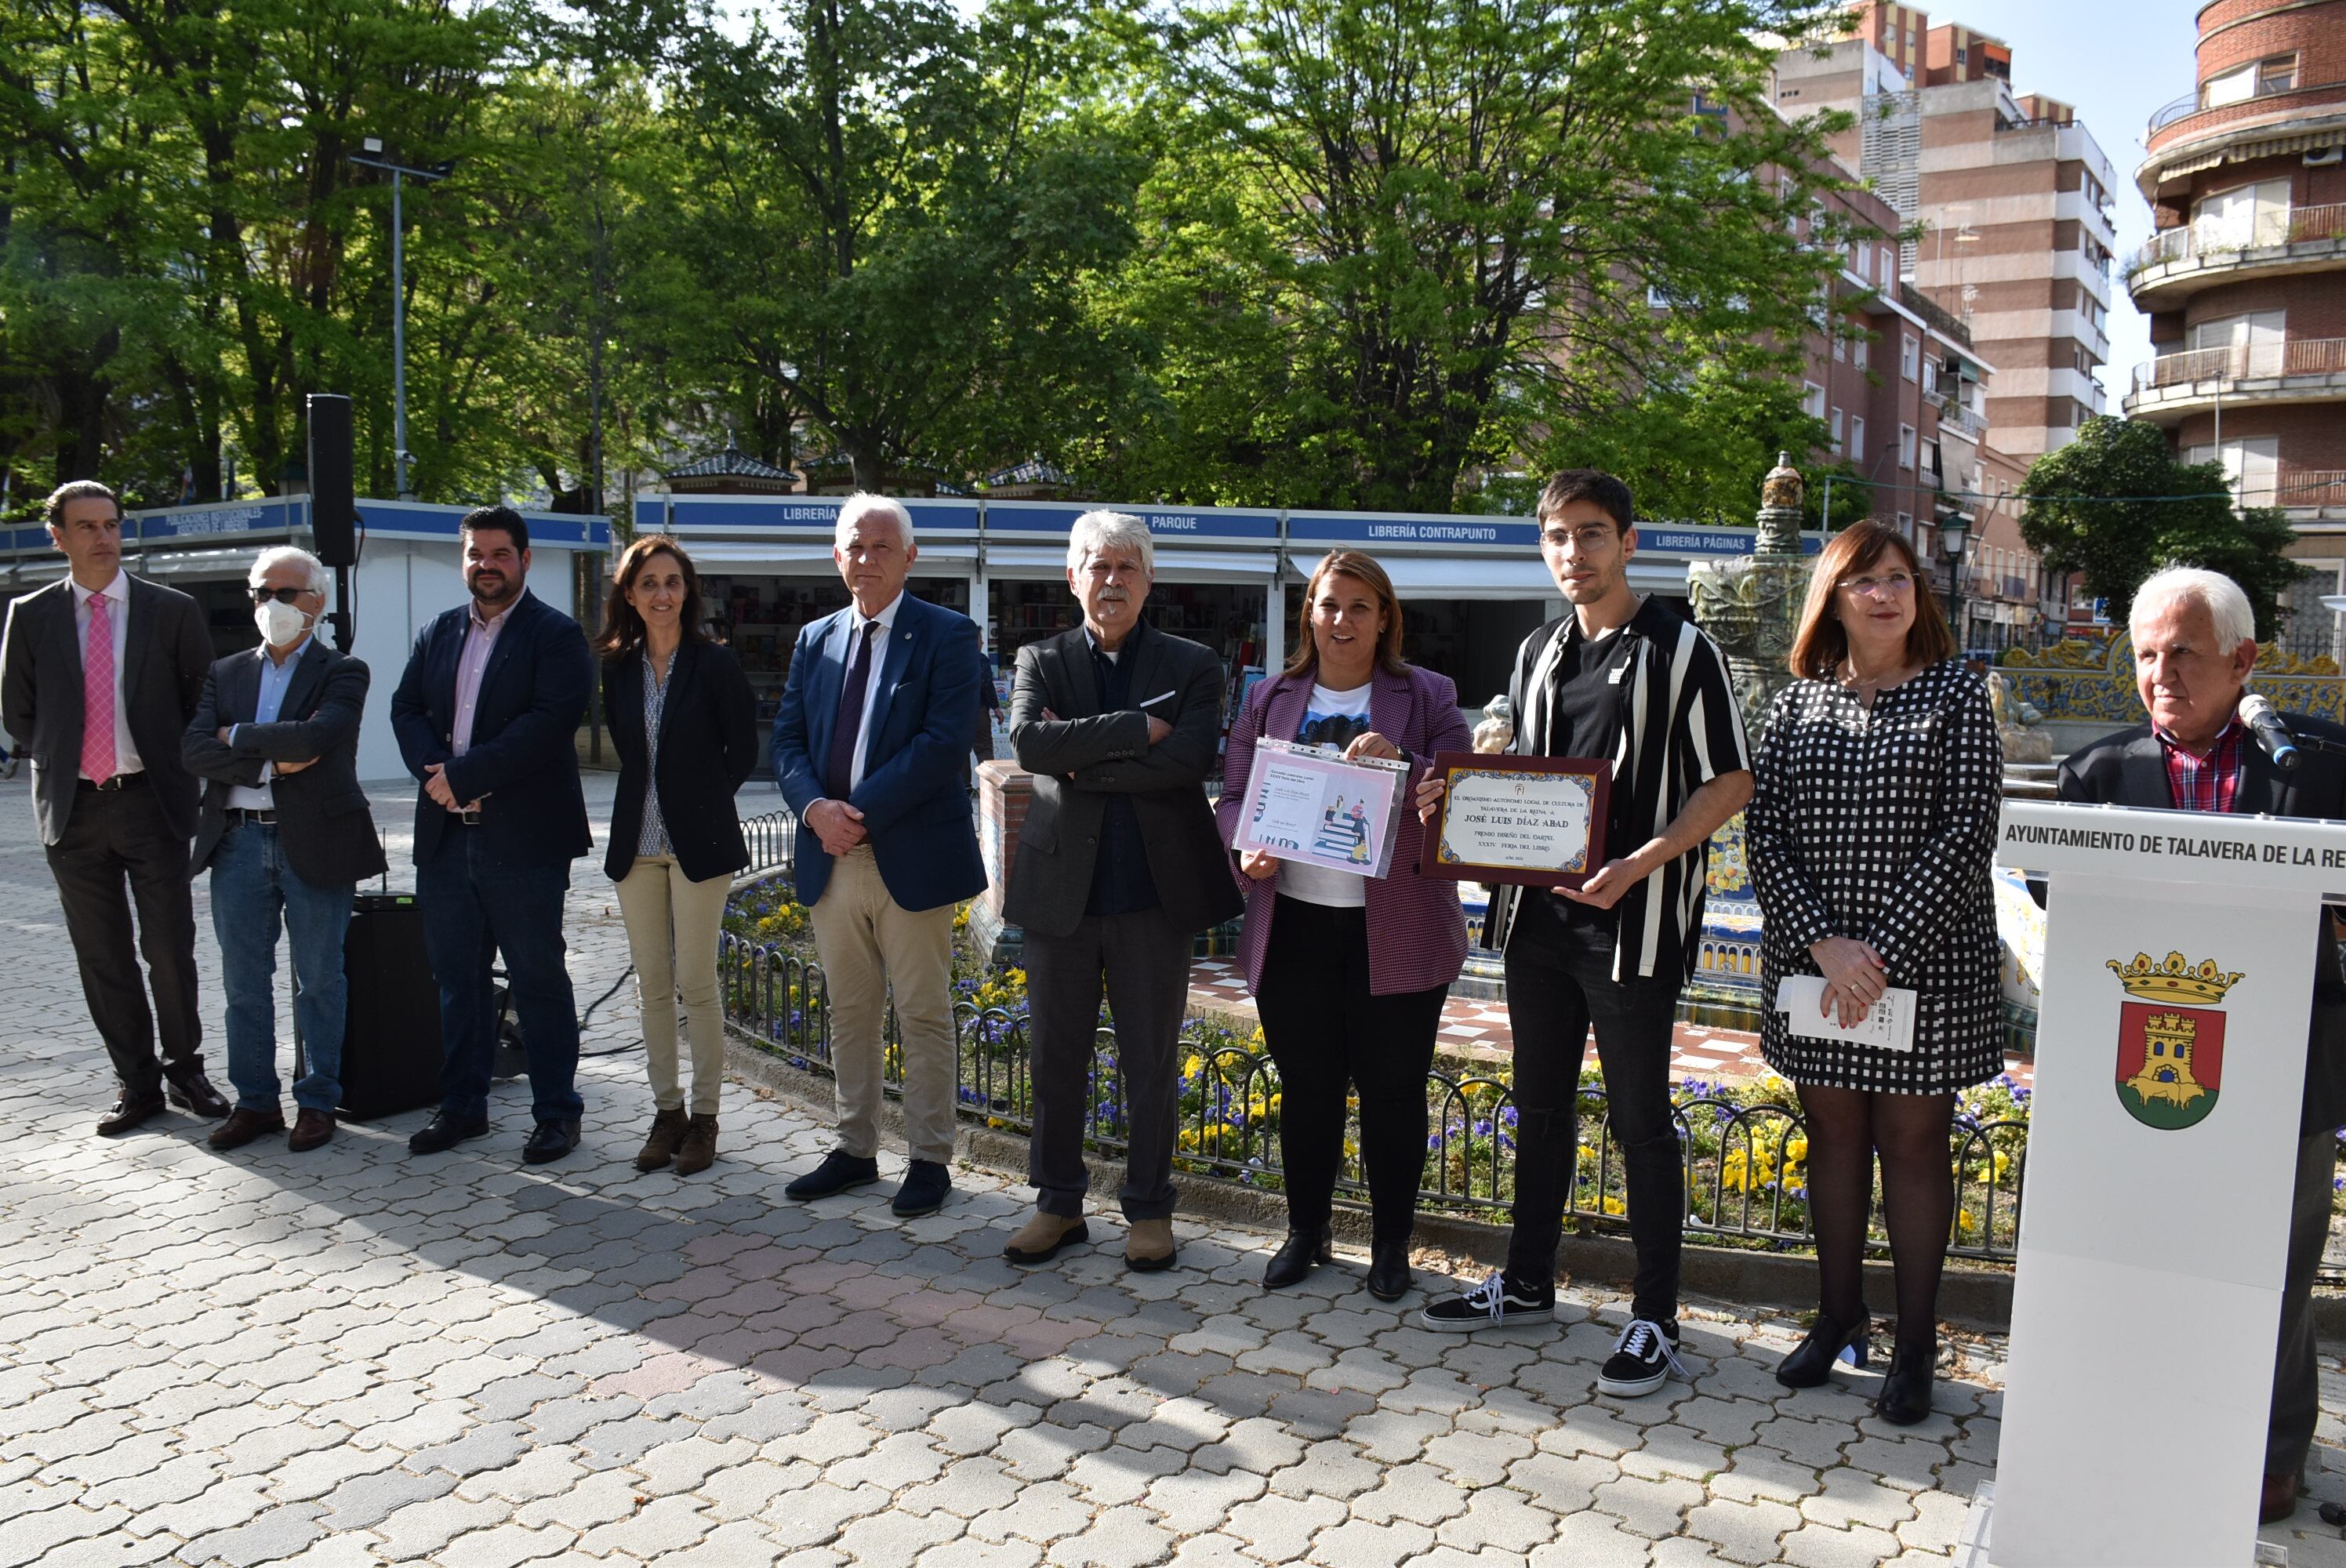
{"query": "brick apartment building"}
[(1906, 398), (2245, 279), (2012, 195)]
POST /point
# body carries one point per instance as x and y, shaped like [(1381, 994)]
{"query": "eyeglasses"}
[(282, 596), (1585, 540), (1895, 583)]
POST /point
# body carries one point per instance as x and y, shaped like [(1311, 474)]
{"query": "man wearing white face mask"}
[(288, 836)]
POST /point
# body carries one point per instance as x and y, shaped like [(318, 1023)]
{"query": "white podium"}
[(2170, 1061)]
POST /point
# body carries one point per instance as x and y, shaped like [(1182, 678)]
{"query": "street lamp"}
[(372, 156), (1951, 544)]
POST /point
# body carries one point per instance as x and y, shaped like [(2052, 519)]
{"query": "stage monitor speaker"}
[(334, 504), (391, 1048)]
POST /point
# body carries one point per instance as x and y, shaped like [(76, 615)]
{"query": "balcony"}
[(2317, 492), (2192, 116), (2179, 262), (2295, 371)]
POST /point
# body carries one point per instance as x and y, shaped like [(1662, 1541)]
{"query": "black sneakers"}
[(1494, 1304), (1642, 1359)]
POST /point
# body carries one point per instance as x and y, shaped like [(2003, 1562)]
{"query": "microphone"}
[(2257, 713)]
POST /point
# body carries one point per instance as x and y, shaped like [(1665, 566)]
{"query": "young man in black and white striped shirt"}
[(1623, 679)]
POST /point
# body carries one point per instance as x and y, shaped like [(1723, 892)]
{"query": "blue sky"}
[(2117, 61)]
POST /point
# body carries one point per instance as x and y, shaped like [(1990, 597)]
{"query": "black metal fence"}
[(1745, 1163)]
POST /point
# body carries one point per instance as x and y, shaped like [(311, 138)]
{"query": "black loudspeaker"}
[(334, 504), (391, 1048)]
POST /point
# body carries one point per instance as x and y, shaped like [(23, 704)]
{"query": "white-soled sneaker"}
[(1494, 1304), (1642, 1359)]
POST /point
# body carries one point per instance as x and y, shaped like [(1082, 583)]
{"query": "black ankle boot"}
[(1812, 1361), (1296, 1255), (1905, 1397), (1389, 1269)]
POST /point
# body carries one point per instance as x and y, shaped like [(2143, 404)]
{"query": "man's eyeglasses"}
[(1895, 583), (1585, 540), (282, 596)]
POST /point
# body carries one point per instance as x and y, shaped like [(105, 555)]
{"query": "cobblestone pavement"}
[(350, 1357)]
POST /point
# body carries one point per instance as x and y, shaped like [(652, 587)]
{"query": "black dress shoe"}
[(2277, 1497), (926, 1183), (1389, 1277), (1812, 1361), (195, 1092), (548, 1142), (445, 1132), (128, 1111), (839, 1171), (1905, 1397), (1295, 1257)]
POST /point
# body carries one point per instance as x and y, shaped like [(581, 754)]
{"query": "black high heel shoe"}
[(1296, 1255), (1905, 1397), (1389, 1269), (1812, 1361)]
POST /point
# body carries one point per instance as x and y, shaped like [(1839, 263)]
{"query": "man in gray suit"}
[(287, 835), (1118, 868), (99, 674)]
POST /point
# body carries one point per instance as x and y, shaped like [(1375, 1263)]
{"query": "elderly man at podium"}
[(2194, 646)]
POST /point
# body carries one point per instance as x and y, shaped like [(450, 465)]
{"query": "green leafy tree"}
[(2117, 506), (1407, 240)]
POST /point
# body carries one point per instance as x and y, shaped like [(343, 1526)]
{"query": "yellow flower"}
[(1615, 1206)]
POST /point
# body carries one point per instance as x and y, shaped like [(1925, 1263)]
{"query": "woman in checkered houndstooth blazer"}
[(1871, 831)]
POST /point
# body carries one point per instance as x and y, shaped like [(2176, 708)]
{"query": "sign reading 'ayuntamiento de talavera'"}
[(2177, 986)]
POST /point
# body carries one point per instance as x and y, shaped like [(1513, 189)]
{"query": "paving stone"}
[(1280, 1529), (1357, 1544), (1122, 1538), (1653, 1508), (1744, 1531), (1816, 1545), (1846, 1498)]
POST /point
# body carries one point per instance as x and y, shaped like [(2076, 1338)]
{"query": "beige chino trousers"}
[(655, 898), (871, 945)]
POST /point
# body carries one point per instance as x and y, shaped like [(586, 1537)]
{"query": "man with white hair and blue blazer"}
[(872, 748)]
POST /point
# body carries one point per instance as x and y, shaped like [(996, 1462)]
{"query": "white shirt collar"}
[(886, 617), (116, 591)]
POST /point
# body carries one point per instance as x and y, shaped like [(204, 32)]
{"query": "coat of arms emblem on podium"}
[(2170, 1059)]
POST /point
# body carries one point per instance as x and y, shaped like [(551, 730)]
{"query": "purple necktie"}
[(841, 769), (98, 759)]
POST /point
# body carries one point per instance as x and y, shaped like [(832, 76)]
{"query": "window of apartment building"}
[(1909, 356), (1905, 446), (2254, 337), (1929, 376), (2273, 74), (1836, 432), (2245, 215), (1857, 438), (1931, 459), (2251, 466), (1812, 400), (1861, 351), (1841, 347), (1906, 527)]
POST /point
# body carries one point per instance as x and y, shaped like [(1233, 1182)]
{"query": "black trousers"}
[(1560, 984), (113, 839), (1328, 1035), (1142, 959), (2297, 1379)]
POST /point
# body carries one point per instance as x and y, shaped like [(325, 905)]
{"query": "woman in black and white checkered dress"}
[(1870, 834)]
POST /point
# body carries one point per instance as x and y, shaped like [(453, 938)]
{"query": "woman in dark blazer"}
[(1349, 973), (684, 724)]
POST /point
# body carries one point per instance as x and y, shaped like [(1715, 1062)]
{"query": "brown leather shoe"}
[(668, 1131), (311, 1129), (2277, 1499), (195, 1094), (128, 1111), (699, 1147), (1149, 1245), (242, 1126), (1045, 1236)]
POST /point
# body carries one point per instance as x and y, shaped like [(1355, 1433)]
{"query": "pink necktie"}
[(97, 694)]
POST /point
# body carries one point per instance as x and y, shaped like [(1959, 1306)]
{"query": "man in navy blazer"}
[(871, 747), (487, 718)]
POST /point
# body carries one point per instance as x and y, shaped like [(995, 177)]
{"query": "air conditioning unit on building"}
[(2323, 157)]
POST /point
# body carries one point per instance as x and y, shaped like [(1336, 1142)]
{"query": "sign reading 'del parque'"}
[(2178, 984)]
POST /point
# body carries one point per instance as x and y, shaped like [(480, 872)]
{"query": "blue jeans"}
[(473, 911), (253, 890)]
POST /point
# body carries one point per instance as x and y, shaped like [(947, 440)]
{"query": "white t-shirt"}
[(1330, 720)]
